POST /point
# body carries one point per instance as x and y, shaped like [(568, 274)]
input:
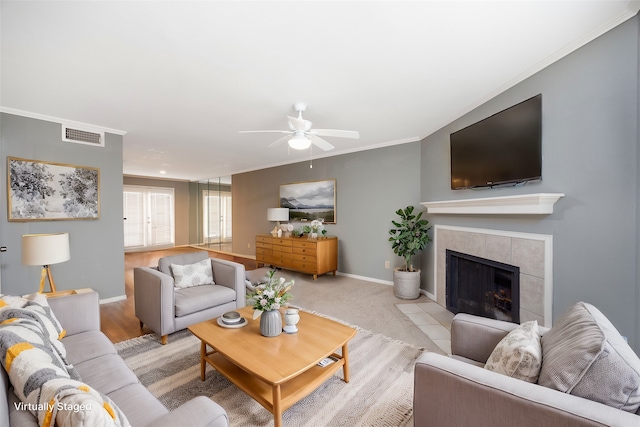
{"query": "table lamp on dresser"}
[(277, 214)]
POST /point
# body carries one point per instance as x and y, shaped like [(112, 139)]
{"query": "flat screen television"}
[(505, 148)]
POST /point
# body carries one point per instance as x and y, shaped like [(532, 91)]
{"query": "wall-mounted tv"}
[(505, 148)]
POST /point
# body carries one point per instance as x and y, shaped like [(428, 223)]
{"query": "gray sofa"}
[(165, 309), (96, 360), (458, 391)]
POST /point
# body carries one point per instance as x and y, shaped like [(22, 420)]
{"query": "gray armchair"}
[(166, 309)]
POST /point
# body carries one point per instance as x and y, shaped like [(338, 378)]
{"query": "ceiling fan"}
[(300, 135)]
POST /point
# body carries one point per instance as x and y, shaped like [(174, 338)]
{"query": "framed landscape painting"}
[(310, 200), (45, 191)]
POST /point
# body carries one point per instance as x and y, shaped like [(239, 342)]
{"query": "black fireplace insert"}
[(482, 287)]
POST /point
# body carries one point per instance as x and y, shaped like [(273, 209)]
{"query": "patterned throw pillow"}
[(186, 276), (519, 354)]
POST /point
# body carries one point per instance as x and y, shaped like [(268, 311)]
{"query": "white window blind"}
[(134, 219), (149, 217), (217, 216)]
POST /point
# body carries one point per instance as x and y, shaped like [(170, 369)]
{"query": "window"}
[(148, 217), (216, 224)]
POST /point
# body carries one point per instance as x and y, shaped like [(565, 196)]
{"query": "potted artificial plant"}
[(408, 237)]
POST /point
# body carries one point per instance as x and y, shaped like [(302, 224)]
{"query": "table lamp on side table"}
[(44, 250)]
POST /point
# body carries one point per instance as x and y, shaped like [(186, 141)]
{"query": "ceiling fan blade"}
[(279, 141), (320, 143), (337, 133), (263, 131), (300, 124)]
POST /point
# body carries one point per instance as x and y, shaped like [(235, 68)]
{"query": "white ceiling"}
[(182, 78)]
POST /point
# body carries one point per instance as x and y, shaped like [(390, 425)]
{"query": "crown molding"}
[(71, 123)]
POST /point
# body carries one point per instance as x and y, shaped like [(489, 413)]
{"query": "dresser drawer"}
[(263, 251), (263, 245), (281, 249), (303, 257), (264, 258), (264, 239), (282, 261), (304, 244), (281, 242), (304, 250), (307, 267)]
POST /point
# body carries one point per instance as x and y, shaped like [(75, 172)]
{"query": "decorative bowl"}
[(231, 317)]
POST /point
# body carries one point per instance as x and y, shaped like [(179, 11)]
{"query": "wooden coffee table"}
[(279, 371)]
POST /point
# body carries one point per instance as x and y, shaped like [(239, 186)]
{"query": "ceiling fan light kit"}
[(299, 142), (302, 136)]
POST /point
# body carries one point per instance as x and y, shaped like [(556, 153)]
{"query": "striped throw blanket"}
[(35, 360)]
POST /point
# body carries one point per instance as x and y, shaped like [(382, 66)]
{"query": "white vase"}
[(291, 319)]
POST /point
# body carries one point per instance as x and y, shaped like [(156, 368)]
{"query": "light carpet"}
[(379, 393)]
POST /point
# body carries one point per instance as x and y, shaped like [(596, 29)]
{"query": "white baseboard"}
[(428, 294), (369, 279), (114, 299)]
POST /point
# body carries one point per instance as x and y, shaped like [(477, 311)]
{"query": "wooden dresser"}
[(315, 257)]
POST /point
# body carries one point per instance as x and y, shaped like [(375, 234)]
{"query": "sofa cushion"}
[(87, 345), (196, 274), (583, 354), (106, 373), (194, 299), (17, 416), (518, 354), (139, 405), (164, 263)]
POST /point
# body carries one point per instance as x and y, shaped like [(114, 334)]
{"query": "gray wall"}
[(590, 140), (97, 254), (370, 187)]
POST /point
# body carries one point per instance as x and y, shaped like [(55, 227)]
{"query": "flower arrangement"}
[(286, 229), (312, 229), (317, 226), (271, 295)]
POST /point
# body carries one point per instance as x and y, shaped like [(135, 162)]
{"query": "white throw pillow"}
[(186, 276), (519, 354)]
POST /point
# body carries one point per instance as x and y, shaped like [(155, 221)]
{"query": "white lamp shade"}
[(45, 249), (278, 214)]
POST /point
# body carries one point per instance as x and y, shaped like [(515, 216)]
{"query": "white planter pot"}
[(406, 284)]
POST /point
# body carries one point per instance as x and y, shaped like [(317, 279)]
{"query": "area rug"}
[(379, 393)]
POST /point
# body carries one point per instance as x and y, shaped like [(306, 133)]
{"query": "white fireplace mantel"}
[(523, 204)]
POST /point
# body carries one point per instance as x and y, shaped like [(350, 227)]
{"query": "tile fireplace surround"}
[(531, 252)]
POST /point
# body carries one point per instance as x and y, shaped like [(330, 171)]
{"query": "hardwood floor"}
[(118, 319)]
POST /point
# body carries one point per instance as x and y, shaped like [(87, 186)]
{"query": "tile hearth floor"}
[(432, 319)]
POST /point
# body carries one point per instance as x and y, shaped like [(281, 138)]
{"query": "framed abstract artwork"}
[(310, 200), (46, 191)]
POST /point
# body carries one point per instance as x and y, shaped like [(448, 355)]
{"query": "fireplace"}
[(482, 287), (531, 253)]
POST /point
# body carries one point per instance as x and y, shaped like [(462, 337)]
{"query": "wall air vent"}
[(82, 136)]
